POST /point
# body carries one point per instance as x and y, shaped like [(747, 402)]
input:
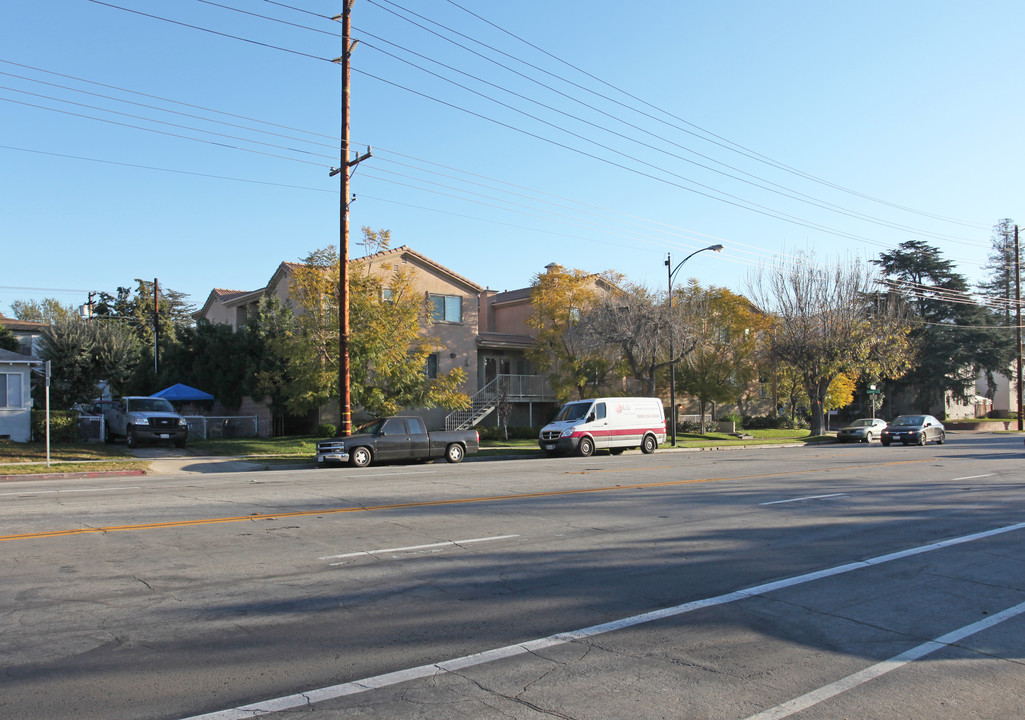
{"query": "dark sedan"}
[(917, 429)]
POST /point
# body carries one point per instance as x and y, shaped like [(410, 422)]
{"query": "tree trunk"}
[(817, 417)]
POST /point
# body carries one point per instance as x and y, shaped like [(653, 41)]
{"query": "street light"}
[(672, 351)]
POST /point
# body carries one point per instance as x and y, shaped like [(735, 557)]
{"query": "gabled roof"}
[(404, 252)]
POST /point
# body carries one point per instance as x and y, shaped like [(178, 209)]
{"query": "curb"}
[(72, 475)]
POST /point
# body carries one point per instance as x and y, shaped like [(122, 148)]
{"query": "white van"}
[(612, 423)]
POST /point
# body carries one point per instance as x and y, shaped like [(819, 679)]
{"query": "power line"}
[(712, 137), (168, 170), (734, 200), (212, 32)]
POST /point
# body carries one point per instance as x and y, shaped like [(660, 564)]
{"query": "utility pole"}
[(156, 330), (344, 389), (1017, 333)]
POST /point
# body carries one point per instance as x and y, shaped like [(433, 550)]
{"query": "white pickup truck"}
[(144, 419)]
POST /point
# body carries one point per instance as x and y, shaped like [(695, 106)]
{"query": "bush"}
[(327, 430), (693, 427), (734, 418), (773, 422), (63, 426), (496, 432)]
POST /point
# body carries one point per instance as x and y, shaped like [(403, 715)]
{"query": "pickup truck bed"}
[(397, 439)]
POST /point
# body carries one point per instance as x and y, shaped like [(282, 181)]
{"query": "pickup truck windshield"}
[(149, 405), (371, 428)]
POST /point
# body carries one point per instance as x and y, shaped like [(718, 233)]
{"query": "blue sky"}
[(597, 135)]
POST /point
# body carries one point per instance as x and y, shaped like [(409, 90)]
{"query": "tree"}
[(825, 325), (1001, 268), (575, 357), (387, 351), (268, 329), (840, 393), (82, 353), (722, 360), (44, 312), (633, 326), (116, 354), (136, 308), (956, 339)]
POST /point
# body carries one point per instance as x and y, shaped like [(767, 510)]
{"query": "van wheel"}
[(586, 447), (649, 444)]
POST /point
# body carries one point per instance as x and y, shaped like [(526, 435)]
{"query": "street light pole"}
[(672, 351)]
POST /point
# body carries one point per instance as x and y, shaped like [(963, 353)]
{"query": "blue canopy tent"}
[(183, 393)]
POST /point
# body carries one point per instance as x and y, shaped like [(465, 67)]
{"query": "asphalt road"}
[(831, 582)]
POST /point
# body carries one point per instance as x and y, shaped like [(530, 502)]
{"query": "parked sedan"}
[(862, 430), (918, 429)]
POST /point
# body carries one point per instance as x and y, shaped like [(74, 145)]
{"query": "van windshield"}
[(573, 411)]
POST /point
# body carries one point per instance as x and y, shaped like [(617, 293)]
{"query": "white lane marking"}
[(871, 673), (447, 543), (65, 492), (332, 692), (974, 477), (810, 497)]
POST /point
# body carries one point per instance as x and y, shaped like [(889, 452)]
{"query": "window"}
[(10, 390), (432, 366), (446, 308), (415, 426), (387, 295), (393, 426)]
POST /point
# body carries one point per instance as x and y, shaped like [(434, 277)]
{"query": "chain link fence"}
[(204, 427), (90, 428)]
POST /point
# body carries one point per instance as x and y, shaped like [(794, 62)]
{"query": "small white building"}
[(16, 395)]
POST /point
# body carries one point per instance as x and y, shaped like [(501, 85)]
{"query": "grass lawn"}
[(30, 458), (292, 447)]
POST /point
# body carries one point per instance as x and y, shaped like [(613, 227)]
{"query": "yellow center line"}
[(436, 503)]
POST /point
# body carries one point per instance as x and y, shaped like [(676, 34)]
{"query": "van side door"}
[(599, 426)]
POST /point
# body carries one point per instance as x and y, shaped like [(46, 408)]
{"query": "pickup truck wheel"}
[(454, 453), (586, 447), (360, 457), (130, 437), (648, 444)]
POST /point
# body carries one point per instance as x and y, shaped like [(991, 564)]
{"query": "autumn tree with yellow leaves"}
[(388, 351)]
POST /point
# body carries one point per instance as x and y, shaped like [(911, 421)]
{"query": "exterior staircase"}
[(481, 406)]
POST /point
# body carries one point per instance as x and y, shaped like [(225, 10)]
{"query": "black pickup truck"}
[(397, 439)]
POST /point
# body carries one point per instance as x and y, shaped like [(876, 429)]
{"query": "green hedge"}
[(515, 433), (63, 426)]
